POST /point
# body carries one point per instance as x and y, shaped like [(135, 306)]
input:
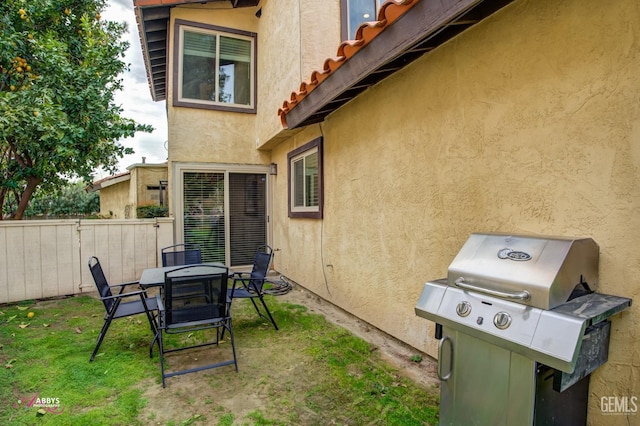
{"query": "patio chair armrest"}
[(240, 275), (123, 285), (121, 295)]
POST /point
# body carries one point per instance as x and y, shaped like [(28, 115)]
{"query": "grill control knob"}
[(502, 320), (463, 309)]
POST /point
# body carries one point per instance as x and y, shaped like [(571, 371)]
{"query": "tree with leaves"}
[(69, 200), (60, 67)]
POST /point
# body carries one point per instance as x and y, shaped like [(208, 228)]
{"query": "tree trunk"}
[(32, 184)]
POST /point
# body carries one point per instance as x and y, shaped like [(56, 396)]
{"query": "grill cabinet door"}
[(488, 385)]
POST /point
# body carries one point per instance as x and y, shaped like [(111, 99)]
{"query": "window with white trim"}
[(215, 68), (305, 180), (357, 12)]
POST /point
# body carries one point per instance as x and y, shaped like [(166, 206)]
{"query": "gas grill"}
[(521, 328)]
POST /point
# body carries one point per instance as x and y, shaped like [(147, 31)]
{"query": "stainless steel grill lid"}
[(537, 271), (517, 292)]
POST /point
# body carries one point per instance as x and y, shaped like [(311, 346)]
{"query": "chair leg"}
[(159, 336), (103, 333), (265, 308), (268, 313), (256, 307), (155, 339), (233, 345), (154, 329)]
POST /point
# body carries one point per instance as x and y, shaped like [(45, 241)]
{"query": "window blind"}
[(198, 44), (203, 203), (204, 215), (235, 49), (247, 216)]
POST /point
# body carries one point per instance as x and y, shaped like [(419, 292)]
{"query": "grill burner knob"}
[(502, 320), (463, 309)]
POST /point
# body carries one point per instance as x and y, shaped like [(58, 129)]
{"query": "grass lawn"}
[(309, 372)]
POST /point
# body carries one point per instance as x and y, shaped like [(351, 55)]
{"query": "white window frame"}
[(196, 27), (300, 154)]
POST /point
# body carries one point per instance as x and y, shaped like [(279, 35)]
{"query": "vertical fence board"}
[(47, 261), (33, 262), (141, 255), (15, 264), (87, 238), (67, 259), (4, 269), (115, 236)]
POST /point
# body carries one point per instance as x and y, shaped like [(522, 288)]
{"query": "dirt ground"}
[(189, 397), (391, 350)]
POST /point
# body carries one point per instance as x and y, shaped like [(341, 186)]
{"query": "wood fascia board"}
[(423, 19)]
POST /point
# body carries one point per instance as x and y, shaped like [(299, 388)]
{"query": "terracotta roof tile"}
[(389, 12)]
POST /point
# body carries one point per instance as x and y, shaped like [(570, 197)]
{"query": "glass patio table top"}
[(155, 276)]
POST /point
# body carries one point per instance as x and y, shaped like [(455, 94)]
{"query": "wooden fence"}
[(48, 258)]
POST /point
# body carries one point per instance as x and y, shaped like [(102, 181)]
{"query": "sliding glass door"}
[(225, 213)]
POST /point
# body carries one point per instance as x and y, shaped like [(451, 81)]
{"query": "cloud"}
[(135, 99)]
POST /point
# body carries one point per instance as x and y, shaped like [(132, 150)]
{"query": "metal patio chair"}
[(190, 314), (181, 254), (114, 305), (250, 285)]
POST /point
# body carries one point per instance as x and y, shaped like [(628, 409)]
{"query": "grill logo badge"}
[(507, 253)]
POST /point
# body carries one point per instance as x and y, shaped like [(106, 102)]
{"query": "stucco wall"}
[(147, 176), (206, 135), (527, 123), (295, 37), (114, 199)]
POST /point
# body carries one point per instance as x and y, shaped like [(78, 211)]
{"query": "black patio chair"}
[(114, 305), (190, 314), (181, 254), (252, 283)]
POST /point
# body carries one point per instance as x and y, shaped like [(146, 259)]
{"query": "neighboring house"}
[(441, 119), (142, 184)]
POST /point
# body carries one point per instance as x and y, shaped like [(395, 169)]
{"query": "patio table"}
[(155, 276)]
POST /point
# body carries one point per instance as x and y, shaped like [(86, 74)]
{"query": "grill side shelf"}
[(594, 307)]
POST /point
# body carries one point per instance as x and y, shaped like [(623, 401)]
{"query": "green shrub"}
[(152, 210)]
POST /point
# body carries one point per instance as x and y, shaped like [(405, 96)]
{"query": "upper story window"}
[(355, 13), (305, 180), (215, 67)]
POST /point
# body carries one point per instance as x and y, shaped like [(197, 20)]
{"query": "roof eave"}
[(426, 25)]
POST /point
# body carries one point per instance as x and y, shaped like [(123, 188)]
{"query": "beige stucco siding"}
[(143, 177), (527, 123), (114, 200), (295, 37), (206, 135)]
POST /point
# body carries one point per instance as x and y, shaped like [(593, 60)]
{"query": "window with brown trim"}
[(214, 67), (305, 180)]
